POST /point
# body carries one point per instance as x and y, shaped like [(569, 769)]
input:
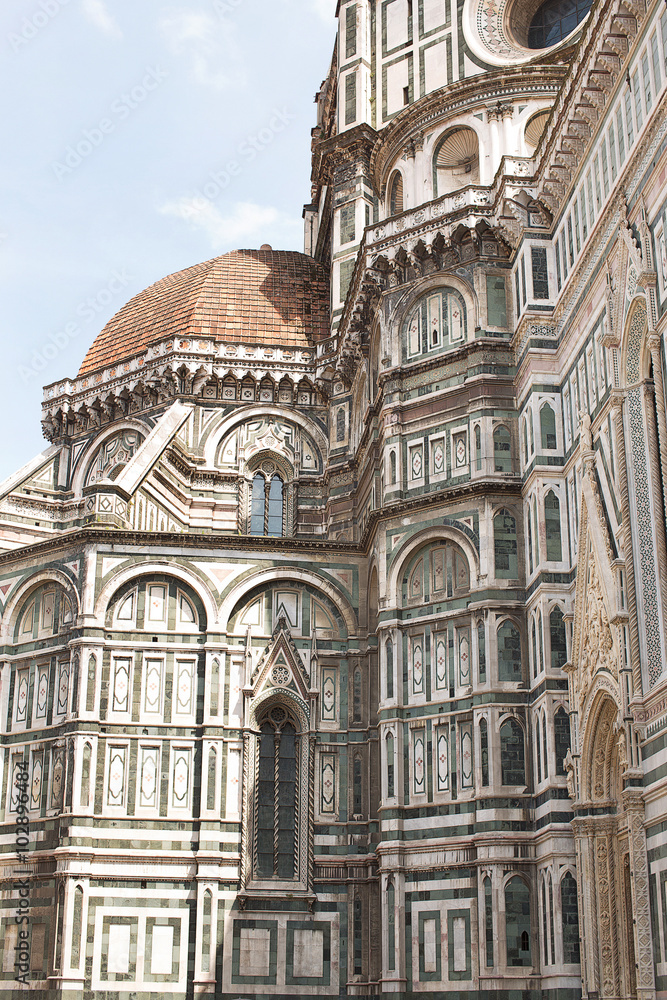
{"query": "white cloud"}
[(246, 225), (209, 42), (96, 12)]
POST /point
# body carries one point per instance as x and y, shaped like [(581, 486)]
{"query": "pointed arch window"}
[(502, 450), (277, 795), (267, 506), (552, 527), (517, 922), (558, 641), (548, 427), (512, 753)]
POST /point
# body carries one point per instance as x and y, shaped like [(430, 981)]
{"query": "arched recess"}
[(294, 573), (372, 602), (429, 284), (86, 456), (395, 199), (219, 429), (17, 599), (409, 547), (600, 777), (455, 160), (164, 568)]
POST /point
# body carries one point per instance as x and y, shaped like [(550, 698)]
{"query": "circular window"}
[(554, 20)]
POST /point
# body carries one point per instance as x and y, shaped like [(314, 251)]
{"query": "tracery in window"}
[(267, 506), (276, 800)]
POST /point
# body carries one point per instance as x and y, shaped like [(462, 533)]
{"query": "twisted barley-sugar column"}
[(276, 798), (658, 383), (656, 486), (619, 432)]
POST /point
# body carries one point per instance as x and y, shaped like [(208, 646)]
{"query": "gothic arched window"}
[(396, 194), (552, 527), (517, 922), (558, 641), (267, 506), (512, 753), (276, 800), (505, 546), (548, 427), (502, 449)]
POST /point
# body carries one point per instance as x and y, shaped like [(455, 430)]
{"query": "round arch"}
[(84, 458), (165, 568), (238, 591), (14, 602), (214, 434), (430, 283), (416, 541)]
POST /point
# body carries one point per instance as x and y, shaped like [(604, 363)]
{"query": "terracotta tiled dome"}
[(274, 297)]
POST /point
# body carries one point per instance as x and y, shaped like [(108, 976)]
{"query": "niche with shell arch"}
[(456, 160)]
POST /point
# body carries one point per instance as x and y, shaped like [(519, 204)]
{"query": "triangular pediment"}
[(280, 666)]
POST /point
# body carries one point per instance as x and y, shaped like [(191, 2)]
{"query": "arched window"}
[(502, 449), (558, 641), (517, 922), (484, 747), (536, 536), (389, 649), (530, 544), (211, 779), (356, 785), (552, 527), (551, 920), (548, 427), (340, 424), (481, 652), (391, 927), (538, 747), (77, 916), (276, 799), (505, 546), (488, 921), (526, 453), (570, 917), (561, 738), (531, 431), (509, 652), (356, 695), (545, 932), (544, 745), (540, 641), (207, 908), (392, 468), (456, 161), (390, 766), (533, 635), (396, 194), (478, 447), (357, 944), (512, 753), (266, 512), (84, 798)]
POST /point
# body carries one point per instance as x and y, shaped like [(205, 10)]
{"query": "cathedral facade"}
[(334, 615)]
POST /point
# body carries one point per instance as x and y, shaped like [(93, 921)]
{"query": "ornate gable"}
[(280, 667)]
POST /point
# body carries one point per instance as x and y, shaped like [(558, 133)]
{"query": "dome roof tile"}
[(278, 298)]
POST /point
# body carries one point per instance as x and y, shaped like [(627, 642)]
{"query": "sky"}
[(138, 137)]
